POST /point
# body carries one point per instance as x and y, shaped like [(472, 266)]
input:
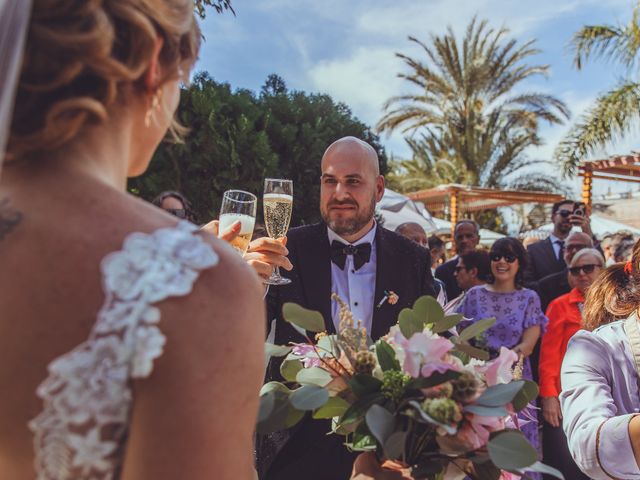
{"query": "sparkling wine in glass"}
[(239, 206), (278, 205)]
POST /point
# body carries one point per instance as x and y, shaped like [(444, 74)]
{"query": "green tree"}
[(218, 5), (474, 119), (237, 139), (615, 112)]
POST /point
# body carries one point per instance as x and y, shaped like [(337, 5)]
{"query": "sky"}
[(346, 48)]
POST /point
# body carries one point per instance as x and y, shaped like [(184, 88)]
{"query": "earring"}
[(155, 103)]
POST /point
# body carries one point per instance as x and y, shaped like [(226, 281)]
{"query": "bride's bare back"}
[(62, 212)]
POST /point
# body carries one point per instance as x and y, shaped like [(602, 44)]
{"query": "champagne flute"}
[(278, 205), (239, 206)]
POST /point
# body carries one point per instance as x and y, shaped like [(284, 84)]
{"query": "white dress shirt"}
[(555, 244), (355, 287)]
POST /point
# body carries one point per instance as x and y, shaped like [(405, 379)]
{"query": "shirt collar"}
[(555, 239), (370, 237), (575, 296)]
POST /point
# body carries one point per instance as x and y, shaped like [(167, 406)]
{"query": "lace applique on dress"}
[(81, 432)]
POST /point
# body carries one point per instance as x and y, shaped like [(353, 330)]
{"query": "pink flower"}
[(473, 434), (509, 476), (499, 370), (307, 352), (424, 353)]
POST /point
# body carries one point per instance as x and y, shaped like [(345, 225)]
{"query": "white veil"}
[(14, 23)]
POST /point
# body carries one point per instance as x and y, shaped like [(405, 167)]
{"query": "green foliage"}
[(615, 112), (237, 139), (219, 6), (303, 317), (467, 124)]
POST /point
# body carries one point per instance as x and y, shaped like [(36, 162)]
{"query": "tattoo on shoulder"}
[(9, 218)]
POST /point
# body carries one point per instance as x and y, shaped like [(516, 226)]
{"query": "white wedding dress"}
[(82, 430)]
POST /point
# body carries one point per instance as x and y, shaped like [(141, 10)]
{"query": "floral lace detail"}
[(82, 429)]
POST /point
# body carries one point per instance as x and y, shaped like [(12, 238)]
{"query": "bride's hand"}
[(366, 467), (213, 227)]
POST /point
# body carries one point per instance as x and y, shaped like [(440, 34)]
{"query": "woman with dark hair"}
[(176, 204), (519, 319)]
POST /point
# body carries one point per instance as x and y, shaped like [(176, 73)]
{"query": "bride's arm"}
[(194, 417)]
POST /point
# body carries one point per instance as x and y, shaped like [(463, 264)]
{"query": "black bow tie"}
[(339, 251)]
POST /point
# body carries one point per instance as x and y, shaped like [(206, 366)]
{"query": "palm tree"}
[(614, 112), (471, 110)]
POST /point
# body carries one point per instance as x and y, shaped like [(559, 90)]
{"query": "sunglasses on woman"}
[(508, 257), (177, 212), (575, 271)]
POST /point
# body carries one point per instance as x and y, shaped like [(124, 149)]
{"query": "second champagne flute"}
[(238, 205), (278, 205)]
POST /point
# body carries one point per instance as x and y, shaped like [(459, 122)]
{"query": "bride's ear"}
[(152, 75)]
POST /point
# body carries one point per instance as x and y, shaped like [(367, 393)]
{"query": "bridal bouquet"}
[(427, 403)]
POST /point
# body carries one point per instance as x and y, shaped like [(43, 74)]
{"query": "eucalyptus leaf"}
[(476, 328), (381, 422), (528, 392), (313, 376), (447, 323), (293, 417), (308, 397), (271, 386), (334, 407), (276, 350), (362, 385), (471, 351), (273, 412), (289, 369), (542, 468), (302, 317), (328, 343), (394, 445), (386, 356), (408, 323), (359, 408), (485, 411), (428, 310), (499, 395), (510, 450)]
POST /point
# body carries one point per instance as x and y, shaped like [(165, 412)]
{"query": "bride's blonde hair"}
[(81, 56)]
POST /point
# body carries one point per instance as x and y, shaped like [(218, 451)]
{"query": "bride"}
[(128, 338)]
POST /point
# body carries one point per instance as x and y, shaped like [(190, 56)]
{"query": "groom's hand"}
[(264, 254)]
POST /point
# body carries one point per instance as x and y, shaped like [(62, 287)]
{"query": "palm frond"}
[(612, 116)]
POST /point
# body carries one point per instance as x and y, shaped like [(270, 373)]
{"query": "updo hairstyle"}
[(83, 56), (614, 295)]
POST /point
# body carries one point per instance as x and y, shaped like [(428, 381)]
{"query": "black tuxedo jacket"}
[(445, 272), (306, 451), (542, 262)]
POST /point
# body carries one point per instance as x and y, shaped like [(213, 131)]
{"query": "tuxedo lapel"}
[(383, 316), (551, 253), (315, 271)]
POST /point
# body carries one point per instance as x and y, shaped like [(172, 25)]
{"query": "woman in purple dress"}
[(519, 319)]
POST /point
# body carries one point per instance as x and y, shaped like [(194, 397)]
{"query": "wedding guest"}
[(599, 377), (614, 241), (466, 236), (547, 256), (176, 204), (624, 250), (565, 319), (375, 271), (519, 319), (438, 252), (414, 232), (473, 269), (117, 319)]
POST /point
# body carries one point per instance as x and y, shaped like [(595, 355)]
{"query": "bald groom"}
[(348, 253)]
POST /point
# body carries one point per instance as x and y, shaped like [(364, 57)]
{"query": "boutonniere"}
[(389, 296)]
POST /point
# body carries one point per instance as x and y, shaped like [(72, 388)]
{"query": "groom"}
[(351, 255)]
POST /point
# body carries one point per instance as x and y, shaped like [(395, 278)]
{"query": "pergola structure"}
[(622, 168), (456, 199)]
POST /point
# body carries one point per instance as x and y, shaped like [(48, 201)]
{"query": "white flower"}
[(90, 452), (149, 346)]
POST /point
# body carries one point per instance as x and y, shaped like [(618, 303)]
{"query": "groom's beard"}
[(348, 226)]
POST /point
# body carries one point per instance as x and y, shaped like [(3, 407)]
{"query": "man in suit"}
[(348, 254), (466, 235), (547, 256), (556, 284)]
